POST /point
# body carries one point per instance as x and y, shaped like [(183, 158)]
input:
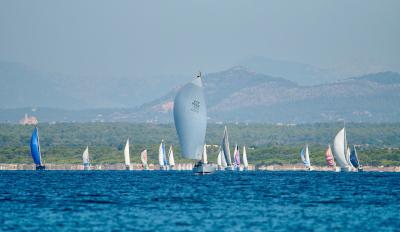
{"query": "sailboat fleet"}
[(190, 117)]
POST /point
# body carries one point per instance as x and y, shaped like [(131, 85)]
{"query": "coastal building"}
[(32, 120)]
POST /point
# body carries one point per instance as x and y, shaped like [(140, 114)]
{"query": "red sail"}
[(329, 157)]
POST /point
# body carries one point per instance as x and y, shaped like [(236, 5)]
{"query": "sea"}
[(182, 201)]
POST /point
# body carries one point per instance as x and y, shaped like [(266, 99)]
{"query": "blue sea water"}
[(181, 201)]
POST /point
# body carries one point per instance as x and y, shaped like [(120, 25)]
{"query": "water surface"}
[(181, 201)]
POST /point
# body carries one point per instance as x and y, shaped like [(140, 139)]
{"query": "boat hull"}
[(204, 169), (40, 167), (230, 168)]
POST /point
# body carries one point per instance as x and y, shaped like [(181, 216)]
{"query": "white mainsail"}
[(126, 154), (171, 159), (143, 157), (245, 163), (204, 157), (339, 148), (219, 158), (161, 151), (225, 148), (85, 156)]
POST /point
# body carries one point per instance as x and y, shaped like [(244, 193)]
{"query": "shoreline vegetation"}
[(268, 145)]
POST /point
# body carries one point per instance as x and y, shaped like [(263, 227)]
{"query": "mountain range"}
[(234, 95)]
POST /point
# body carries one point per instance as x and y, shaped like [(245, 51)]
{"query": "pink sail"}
[(237, 155), (329, 157)]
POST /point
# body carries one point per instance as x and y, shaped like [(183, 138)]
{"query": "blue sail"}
[(164, 155), (354, 158), (35, 147), (190, 116), (303, 157)]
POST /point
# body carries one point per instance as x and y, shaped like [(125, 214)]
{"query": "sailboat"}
[(340, 150), (236, 156), (245, 163), (35, 150), (162, 161), (190, 116), (330, 161), (85, 157), (171, 159), (354, 159), (143, 157), (305, 157), (128, 165), (219, 159), (226, 150)]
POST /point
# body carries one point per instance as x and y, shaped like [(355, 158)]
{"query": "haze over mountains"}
[(237, 94)]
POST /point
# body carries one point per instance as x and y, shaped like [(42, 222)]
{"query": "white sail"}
[(126, 153), (223, 160), (245, 163), (219, 158), (85, 156), (308, 157), (225, 148), (143, 157), (190, 117), (161, 151), (171, 159), (339, 148), (348, 155), (204, 157)]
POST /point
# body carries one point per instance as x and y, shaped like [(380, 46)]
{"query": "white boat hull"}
[(204, 169)]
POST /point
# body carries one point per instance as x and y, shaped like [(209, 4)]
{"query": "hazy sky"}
[(128, 38)]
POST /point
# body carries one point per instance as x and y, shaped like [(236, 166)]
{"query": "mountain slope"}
[(240, 95)]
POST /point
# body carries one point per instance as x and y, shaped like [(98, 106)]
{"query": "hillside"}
[(233, 95), (241, 95)]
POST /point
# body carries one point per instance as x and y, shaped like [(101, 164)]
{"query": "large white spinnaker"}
[(340, 149), (190, 117), (126, 154)]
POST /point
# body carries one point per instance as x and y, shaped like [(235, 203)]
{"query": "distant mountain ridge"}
[(244, 96), (234, 95)]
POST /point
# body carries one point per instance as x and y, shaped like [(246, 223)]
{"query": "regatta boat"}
[(171, 159), (226, 150), (190, 116), (128, 165), (245, 163), (162, 159), (305, 157), (143, 157), (236, 156), (330, 161), (85, 157), (340, 150), (35, 150), (219, 159), (354, 159)]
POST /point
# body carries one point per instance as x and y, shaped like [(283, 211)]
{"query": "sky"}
[(151, 38)]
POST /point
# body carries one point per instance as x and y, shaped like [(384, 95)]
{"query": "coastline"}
[(181, 167)]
